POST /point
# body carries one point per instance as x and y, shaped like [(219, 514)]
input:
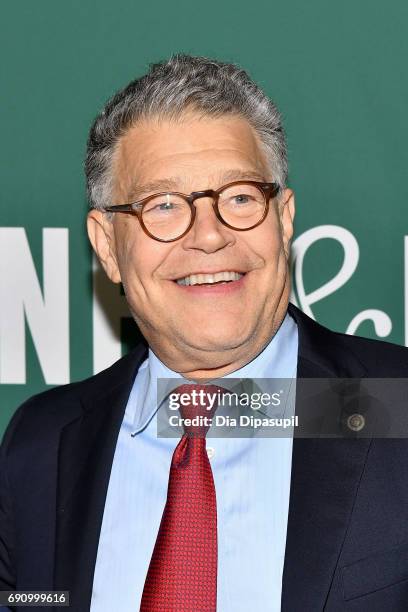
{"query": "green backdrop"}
[(336, 70)]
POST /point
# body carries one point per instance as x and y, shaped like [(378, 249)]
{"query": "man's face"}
[(200, 327)]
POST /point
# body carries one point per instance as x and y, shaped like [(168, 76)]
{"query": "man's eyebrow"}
[(173, 183), (237, 175), (156, 186)]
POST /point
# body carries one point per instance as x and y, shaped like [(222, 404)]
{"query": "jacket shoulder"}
[(53, 408), (378, 357), (343, 353)]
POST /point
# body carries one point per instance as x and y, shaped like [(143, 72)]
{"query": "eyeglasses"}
[(241, 206)]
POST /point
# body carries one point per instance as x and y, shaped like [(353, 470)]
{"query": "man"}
[(304, 524)]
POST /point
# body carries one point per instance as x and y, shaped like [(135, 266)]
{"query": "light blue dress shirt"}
[(252, 482)]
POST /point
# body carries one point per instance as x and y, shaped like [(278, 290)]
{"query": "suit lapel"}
[(87, 447), (325, 478)]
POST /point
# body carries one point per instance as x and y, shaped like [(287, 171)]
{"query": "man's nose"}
[(208, 233)]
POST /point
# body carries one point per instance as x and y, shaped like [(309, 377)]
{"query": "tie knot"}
[(197, 405)]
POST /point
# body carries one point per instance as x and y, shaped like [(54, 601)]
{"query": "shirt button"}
[(210, 452)]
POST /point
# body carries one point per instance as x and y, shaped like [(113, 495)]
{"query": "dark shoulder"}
[(48, 411), (380, 358), (36, 413), (347, 355)]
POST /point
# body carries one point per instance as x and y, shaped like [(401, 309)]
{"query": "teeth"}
[(199, 279)]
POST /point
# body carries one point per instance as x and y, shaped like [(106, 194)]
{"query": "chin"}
[(219, 337)]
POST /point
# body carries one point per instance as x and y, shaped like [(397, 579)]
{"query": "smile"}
[(210, 279)]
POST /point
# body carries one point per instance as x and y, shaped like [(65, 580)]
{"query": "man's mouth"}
[(221, 277)]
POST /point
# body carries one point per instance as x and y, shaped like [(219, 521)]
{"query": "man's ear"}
[(287, 215), (102, 237)]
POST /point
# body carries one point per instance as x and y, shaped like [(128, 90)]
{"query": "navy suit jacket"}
[(347, 541)]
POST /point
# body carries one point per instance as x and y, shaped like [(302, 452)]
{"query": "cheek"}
[(128, 248), (138, 264), (273, 245), (130, 265), (268, 247)]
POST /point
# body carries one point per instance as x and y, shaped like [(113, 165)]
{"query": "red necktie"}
[(182, 575)]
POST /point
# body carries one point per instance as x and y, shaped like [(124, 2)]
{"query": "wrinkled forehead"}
[(191, 153)]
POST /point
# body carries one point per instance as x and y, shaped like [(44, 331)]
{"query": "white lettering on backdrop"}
[(46, 312), (351, 253)]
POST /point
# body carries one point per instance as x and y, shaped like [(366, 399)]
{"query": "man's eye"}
[(241, 199), (163, 206)]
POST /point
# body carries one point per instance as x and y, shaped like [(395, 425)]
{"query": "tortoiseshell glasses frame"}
[(268, 190)]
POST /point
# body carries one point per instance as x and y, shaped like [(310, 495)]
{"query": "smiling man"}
[(186, 172)]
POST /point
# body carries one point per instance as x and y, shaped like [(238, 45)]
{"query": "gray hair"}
[(169, 89)]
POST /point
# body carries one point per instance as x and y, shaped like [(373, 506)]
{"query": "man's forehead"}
[(189, 155)]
